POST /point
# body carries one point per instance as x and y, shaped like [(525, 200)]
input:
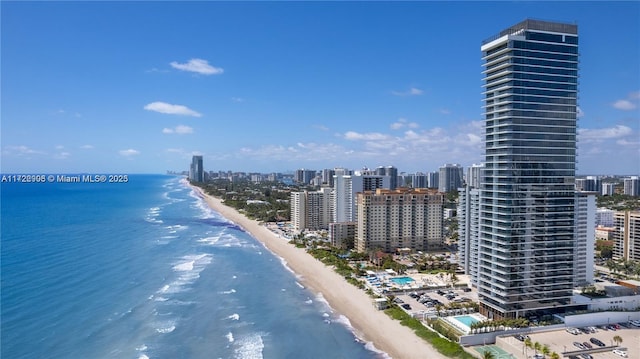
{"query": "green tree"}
[(546, 350), (528, 344), (537, 346), (487, 354), (555, 355), (617, 339)]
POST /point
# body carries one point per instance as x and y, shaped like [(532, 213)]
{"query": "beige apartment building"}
[(401, 218), (626, 237)]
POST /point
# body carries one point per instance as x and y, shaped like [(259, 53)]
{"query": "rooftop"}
[(530, 24)]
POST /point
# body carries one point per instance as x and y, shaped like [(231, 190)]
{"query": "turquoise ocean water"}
[(146, 270)]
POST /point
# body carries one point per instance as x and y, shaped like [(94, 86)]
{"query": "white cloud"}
[(86, 147), (128, 153), (445, 111), (180, 130), (604, 133), (22, 150), (62, 155), (175, 150), (237, 99), (402, 122), (579, 112), (631, 103), (413, 91), (199, 66), (355, 136), (624, 142), (170, 109), (624, 105)]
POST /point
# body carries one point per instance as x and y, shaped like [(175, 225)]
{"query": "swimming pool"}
[(466, 320), (402, 280)]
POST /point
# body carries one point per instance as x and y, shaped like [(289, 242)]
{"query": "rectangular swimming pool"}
[(466, 320), (402, 280)]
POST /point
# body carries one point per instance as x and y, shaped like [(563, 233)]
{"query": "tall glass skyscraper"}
[(526, 238), (196, 171)]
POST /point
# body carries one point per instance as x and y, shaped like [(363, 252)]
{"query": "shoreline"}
[(368, 323)]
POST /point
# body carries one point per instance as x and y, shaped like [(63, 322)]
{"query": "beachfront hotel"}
[(402, 218), (527, 242)]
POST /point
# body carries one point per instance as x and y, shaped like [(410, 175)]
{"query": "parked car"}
[(579, 345), (587, 345), (597, 342), (520, 337), (620, 352), (574, 331)]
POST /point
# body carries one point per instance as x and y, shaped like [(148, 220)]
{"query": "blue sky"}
[(139, 87)]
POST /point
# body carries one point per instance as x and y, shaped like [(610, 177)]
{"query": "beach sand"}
[(369, 323)]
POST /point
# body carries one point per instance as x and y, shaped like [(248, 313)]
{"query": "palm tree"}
[(488, 355), (527, 344), (546, 350), (537, 346), (555, 355), (617, 339), (438, 308)]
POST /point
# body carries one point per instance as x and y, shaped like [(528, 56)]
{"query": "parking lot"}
[(560, 341), (425, 301)]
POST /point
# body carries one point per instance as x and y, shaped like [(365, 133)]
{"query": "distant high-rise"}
[(451, 176), (196, 171), (585, 222), (433, 179), (589, 184), (632, 186), (304, 176), (608, 189), (419, 180), (626, 235), (527, 240), (345, 187), (390, 171), (474, 175), (311, 210)]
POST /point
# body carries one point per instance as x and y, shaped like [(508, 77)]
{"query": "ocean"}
[(145, 269)]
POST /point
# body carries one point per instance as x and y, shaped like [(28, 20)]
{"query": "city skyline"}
[(272, 87)]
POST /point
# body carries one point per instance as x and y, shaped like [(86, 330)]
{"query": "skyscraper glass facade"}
[(526, 237)]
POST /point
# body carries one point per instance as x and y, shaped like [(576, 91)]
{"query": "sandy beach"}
[(370, 324)]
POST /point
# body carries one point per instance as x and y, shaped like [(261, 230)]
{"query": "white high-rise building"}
[(474, 175), (632, 186), (585, 223), (604, 217), (311, 210), (608, 189), (345, 188), (468, 226)]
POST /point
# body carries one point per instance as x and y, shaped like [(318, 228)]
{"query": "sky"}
[(140, 87)]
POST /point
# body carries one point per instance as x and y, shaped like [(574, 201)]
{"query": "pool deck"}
[(462, 326)]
